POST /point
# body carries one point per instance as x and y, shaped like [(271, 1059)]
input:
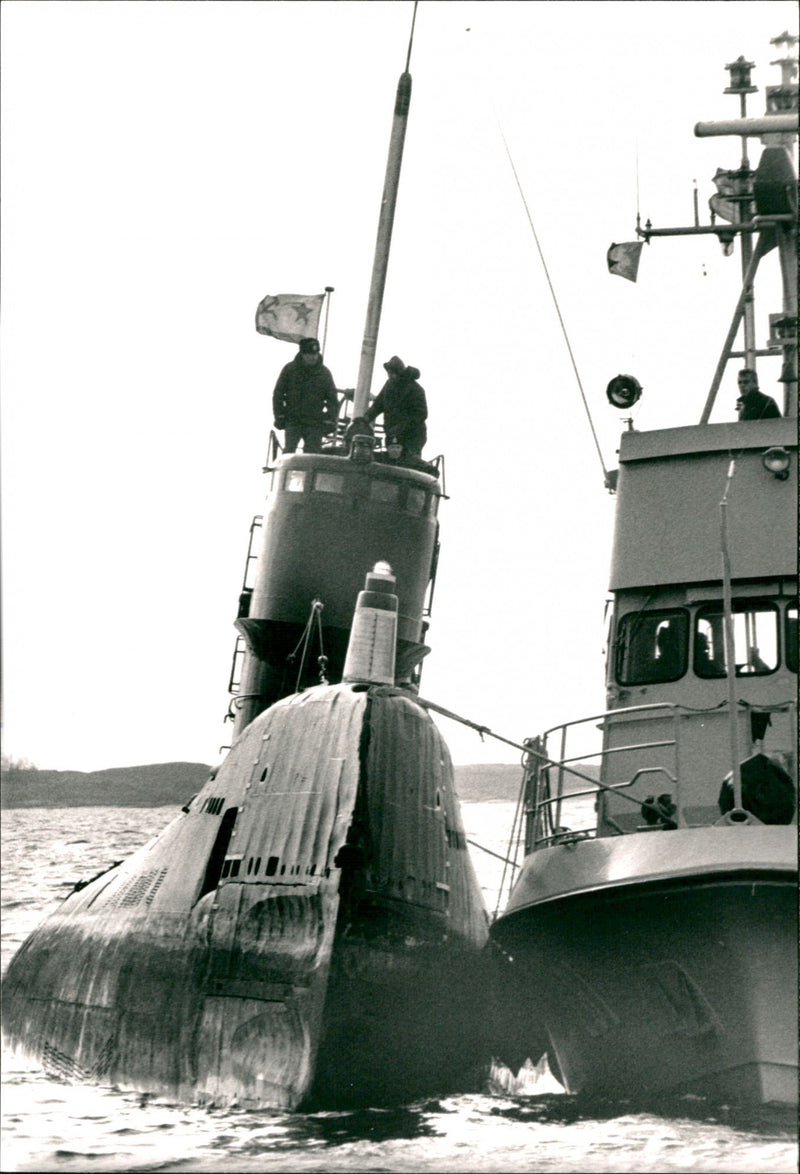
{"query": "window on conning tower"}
[(329, 482), (384, 492), (295, 481), (415, 501)]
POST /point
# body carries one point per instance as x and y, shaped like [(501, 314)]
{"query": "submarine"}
[(309, 930)]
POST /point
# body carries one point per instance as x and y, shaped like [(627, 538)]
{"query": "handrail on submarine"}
[(437, 464)]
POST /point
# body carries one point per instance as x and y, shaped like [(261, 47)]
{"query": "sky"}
[(167, 165)]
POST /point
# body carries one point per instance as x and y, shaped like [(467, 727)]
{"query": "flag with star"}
[(289, 317)]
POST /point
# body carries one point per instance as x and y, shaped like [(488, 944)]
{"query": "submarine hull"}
[(312, 911)]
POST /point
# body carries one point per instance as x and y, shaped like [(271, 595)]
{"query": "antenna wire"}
[(555, 303)]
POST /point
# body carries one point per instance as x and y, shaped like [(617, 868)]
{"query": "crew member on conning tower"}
[(304, 402), (404, 407)]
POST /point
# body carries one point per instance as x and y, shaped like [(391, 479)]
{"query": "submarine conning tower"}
[(329, 519)]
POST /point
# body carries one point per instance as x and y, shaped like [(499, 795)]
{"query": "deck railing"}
[(549, 789), (557, 788)]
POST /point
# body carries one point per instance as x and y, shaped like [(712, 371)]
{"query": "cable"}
[(555, 303), (305, 639)]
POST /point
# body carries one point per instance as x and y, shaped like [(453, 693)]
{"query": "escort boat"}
[(652, 927)]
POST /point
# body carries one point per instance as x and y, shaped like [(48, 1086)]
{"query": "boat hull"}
[(667, 981)]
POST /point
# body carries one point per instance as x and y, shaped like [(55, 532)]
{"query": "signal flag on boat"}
[(289, 317), (373, 637), (623, 260), (726, 183)]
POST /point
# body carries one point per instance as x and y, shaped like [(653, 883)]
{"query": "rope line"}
[(305, 640), (512, 851), (489, 851)]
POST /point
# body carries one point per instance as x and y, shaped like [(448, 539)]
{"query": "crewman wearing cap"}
[(304, 402), (404, 407)]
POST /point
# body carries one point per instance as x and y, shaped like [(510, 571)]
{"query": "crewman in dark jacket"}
[(404, 407), (304, 403), (752, 404)]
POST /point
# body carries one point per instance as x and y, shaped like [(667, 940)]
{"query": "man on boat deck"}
[(752, 404), (304, 402), (404, 407)]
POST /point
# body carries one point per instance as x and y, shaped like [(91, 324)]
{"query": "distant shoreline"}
[(173, 784), (161, 785)]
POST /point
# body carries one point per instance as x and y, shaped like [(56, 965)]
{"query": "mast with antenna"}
[(770, 216), (384, 237)]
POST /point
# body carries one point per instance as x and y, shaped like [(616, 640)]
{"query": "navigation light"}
[(776, 461)]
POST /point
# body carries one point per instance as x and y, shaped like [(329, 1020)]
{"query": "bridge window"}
[(652, 646), (790, 636), (755, 639), (295, 480)]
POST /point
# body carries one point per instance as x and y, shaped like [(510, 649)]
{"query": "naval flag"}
[(623, 260), (289, 317)]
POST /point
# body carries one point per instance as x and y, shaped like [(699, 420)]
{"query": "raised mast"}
[(760, 204), (780, 125), (385, 223)]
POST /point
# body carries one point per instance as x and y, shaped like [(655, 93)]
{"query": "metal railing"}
[(335, 445), (547, 790)]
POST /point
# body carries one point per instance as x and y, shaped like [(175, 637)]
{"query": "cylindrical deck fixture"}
[(373, 637), (769, 124)]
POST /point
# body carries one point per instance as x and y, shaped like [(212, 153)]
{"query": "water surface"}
[(520, 1123)]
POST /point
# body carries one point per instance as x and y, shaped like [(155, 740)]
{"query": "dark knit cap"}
[(309, 346), (394, 366)]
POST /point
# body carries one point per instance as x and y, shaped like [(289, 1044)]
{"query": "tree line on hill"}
[(171, 784), (163, 785)]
